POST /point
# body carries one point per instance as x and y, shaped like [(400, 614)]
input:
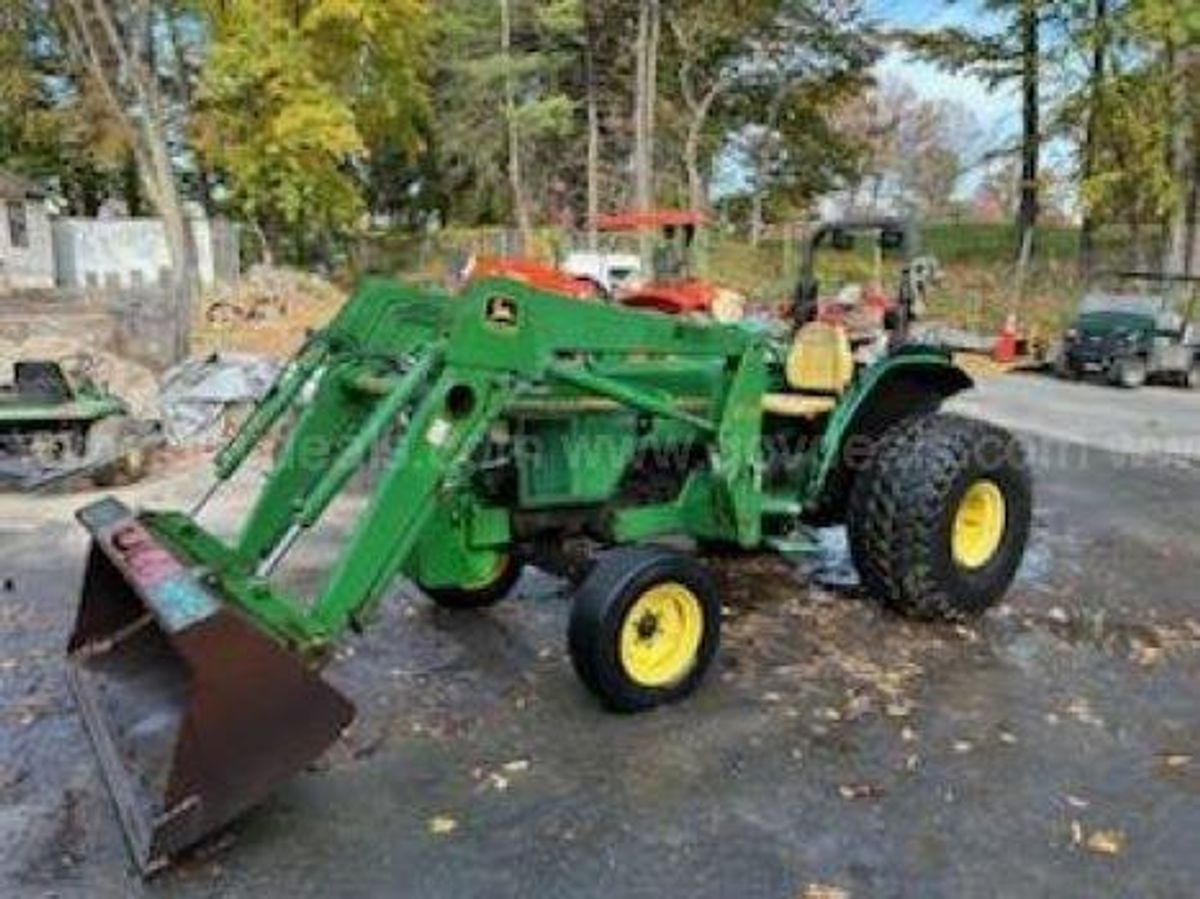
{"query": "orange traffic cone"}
[(1006, 342)]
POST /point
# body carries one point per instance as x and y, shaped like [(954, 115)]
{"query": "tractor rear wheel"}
[(939, 521), (645, 626), (479, 596)]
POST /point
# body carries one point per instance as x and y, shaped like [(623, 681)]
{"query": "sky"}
[(997, 111)]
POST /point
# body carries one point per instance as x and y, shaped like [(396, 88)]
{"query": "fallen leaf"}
[(823, 891), (441, 825), (1146, 655), (1106, 842), (1006, 737), (860, 791), (962, 746), (1081, 710)]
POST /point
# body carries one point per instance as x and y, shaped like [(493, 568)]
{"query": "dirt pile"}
[(269, 312)]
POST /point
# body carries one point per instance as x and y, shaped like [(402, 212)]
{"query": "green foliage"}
[(294, 97), (470, 135), (1135, 111), (51, 129)]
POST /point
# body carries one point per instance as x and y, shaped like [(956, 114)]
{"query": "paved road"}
[(1151, 421), (836, 746)]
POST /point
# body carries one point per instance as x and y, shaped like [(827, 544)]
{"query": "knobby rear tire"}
[(903, 507)]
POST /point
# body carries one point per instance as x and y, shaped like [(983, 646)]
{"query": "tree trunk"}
[(762, 158), (1193, 214), (699, 106), (1181, 163), (131, 187), (1087, 233), (645, 95), (593, 129), (515, 176), (757, 223), (1027, 214), (697, 182), (115, 51), (185, 74)]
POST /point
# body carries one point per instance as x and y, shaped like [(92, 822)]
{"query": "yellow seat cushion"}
[(821, 360), (795, 405)]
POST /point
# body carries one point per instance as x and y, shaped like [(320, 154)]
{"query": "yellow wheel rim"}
[(979, 525), (490, 576), (661, 635)]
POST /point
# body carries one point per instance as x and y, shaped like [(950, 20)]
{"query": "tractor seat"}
[(820, 366)]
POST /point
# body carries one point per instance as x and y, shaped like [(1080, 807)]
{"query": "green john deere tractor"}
[(518, 425)]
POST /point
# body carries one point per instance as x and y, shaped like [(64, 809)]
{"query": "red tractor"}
[(672, 285)]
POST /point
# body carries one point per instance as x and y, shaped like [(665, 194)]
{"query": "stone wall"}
[(132, 253), (28, 267)]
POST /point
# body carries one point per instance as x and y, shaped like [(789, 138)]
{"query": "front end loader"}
[(506, 426)]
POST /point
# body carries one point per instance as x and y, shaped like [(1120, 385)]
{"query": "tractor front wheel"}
[(939, 521), (645, 626), (488, 592)]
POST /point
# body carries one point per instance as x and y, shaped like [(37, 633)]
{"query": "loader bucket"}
[(194, 713)]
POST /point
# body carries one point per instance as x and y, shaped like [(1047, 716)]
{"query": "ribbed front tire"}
[(645, 626)]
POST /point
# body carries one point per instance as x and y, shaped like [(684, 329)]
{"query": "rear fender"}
[(916, 382)]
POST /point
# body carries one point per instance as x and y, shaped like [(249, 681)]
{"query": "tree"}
[(913, 150), (295, 97), (1137, 114), (1173, 39), (1011, 52), (478, 72), (645, 100), (711, 43), (111, 47), (1098, 38), (807, 59)]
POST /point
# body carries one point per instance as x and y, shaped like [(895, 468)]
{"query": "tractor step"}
[(800, 542)]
